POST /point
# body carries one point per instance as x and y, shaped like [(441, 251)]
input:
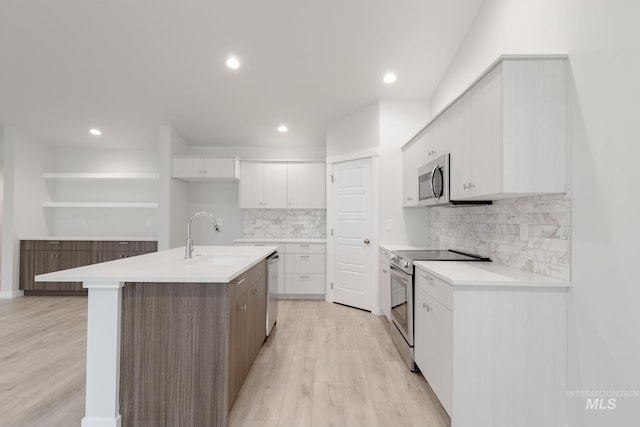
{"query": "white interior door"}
[(352, 264)]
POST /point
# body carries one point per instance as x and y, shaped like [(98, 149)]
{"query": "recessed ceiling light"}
[(233, 63), (282, 128), (95, 132), (389, 78)]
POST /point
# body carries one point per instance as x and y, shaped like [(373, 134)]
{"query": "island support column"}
[(103, 354)]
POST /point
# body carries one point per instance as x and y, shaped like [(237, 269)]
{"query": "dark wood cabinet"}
[(45, 256), (247, 320)]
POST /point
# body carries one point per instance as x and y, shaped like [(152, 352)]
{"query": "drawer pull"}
[(243, 307), (304, 256), (241, 281), (304, 277), (385, 271), (123, 243), (304, 246), (429, 278), (54, 243)]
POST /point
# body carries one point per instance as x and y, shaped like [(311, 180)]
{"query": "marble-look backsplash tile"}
[(530, 233), (285, 223)]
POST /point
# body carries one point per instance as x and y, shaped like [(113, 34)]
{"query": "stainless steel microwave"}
[(433, 182)]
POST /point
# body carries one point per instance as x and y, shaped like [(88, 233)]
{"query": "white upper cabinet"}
[(281, 185), (206, 168), (438, 137), (275, 185), (413, 156), (508, 132), (306, 185)]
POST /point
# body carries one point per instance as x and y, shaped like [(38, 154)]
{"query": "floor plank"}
[(323, 365)]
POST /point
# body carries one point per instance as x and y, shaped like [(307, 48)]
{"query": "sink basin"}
[(218, 259)]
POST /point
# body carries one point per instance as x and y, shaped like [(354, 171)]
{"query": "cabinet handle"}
[(409, 199), (54, 243), (427, 277), (304, 277), (205, 172), (243, 307), (199, 172), (260, 203), (304, 256), (241, 281), (385, 271), (123, 243), (304, 246), (256, 291), (471, 185)]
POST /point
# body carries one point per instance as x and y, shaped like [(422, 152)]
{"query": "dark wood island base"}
[(186, 348)]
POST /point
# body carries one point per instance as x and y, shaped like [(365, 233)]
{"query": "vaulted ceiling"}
[(127, 67)]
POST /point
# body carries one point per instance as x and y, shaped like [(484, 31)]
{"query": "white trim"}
[(375, 235), (101, 176), (102, 404), (357, 155), (11, 294), (328, 296)]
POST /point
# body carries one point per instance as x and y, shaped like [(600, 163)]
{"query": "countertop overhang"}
[(210, 264)]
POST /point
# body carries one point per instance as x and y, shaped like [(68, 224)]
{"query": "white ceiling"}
[(128, 67)]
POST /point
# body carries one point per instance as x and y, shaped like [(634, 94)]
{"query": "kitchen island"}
[(169, 340)]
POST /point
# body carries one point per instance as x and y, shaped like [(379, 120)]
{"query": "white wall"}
[(261, 153), (26, 158), (174, 195), (399, 122), (220, 199), (358, 132), (602, 39)]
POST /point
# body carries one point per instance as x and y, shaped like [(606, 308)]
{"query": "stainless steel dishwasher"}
[(272, 290)]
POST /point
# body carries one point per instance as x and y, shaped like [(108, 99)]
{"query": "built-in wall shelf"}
[(101, 176), (137, 205)]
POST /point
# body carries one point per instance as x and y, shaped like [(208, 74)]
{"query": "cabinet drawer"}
[(125, 246), (304, 263), (305, 284), (305, 248), (437, 288), (55, 245)]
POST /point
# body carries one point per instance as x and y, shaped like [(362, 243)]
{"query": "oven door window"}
[(437, 182), (400, 288)]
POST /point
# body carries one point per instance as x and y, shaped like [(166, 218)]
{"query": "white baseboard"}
[(11, 294)]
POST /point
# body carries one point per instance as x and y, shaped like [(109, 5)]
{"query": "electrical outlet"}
[(388, 225)]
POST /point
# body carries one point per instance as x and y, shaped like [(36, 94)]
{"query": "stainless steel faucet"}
[(188, 249)]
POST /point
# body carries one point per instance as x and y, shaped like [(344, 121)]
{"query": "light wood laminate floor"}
[(324, 365)]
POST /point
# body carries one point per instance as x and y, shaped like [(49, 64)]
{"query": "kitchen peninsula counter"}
[(169, 340)]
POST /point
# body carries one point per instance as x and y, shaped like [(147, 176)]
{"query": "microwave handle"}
[(433, 190)]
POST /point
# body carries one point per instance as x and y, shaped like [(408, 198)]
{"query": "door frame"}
[(374, 257)]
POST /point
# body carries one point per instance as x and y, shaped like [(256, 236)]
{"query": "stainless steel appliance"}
[(433, 182), (272, 290), (402, 291)]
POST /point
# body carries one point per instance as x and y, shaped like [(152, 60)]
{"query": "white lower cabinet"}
[(302, 268), (495, 356)]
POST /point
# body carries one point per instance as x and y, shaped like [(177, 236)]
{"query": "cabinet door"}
[(49, 261), (187, 167), (219, 167), (275, 185), (412, 158), (461, 157), (433, 344), (306, 185), (437, 137), (252, 185), (486, 135)]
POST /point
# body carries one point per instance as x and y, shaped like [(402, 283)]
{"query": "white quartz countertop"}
[(95, 238), (401, 247), (486, 274), (280, 240), (210, 264)]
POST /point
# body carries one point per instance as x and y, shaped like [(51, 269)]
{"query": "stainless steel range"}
[(402, 290)]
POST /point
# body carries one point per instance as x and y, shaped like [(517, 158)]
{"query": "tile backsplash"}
[(285, 223), (529, 233)]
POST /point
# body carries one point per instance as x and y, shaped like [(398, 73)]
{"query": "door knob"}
[(366, 241)]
